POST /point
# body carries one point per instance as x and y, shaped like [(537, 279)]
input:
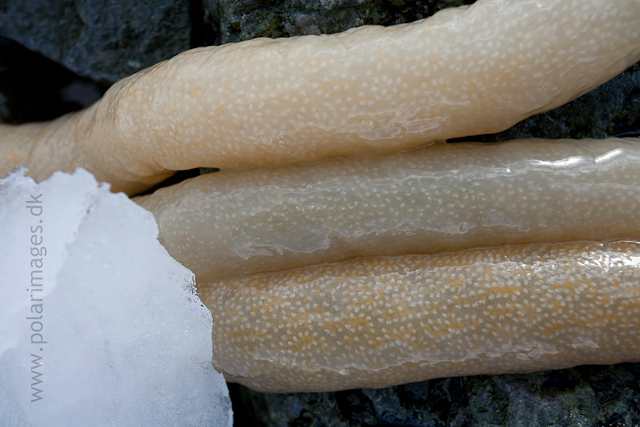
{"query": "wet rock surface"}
[(247, 19), (583, 396)]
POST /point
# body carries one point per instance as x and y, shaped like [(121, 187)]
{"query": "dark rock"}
[(4, 110), (205, 23), (105, 40), (34, 88), (583, 396), (247, 19)]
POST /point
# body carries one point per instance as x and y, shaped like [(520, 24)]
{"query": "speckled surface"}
[(464, 71), (375, 322), (584, 396), (444, 197)]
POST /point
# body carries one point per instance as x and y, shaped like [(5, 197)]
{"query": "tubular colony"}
[(463, 71), (378, 321)]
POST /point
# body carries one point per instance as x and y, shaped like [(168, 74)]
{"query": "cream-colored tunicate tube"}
[(444, 197), (377, 322), (464, 71)]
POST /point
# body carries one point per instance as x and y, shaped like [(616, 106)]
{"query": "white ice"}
[(99, 326)]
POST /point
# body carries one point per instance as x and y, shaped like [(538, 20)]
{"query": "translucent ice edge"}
[(99, 326)]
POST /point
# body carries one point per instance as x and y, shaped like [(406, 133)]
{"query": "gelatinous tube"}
[(441, 198), (463, 71), (377, 322)]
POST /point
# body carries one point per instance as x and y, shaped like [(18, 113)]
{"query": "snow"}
[(99, 326)]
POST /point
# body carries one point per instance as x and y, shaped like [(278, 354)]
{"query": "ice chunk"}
[(99, 326)]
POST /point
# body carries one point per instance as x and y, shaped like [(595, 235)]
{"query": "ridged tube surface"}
[(444, 197), (377, 322), (463, 71)]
